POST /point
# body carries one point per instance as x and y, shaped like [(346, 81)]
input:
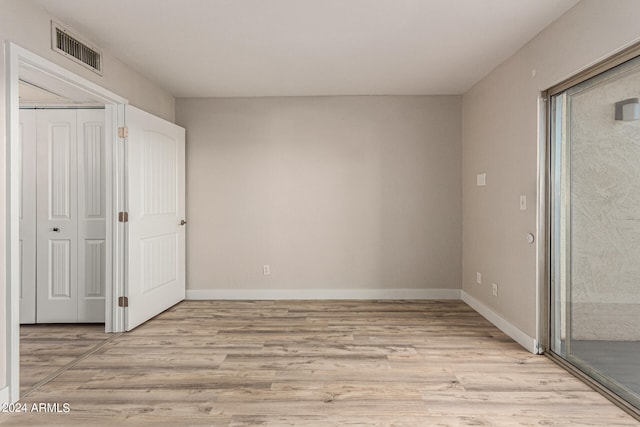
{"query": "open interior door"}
[(155, 278)]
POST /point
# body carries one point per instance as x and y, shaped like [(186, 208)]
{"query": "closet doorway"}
[(62, 210), (144, 216)]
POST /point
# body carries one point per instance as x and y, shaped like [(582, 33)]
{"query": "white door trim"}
[(19, 60)]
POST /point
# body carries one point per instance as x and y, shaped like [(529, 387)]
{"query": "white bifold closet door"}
[(91, 216), (69, 216), (27, 209), (57, 220)]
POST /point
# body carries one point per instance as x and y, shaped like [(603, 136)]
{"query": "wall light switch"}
[(479, 278), (481, 179), (494, 289), (523, 203)]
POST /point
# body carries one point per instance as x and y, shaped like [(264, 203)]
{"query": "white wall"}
[(341, 196), (500, 138), (29, 27)]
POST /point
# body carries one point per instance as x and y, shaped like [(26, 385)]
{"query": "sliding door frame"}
[(546, 183)]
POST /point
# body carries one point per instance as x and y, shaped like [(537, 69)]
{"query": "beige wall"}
[(333, 193), (500, 138), (361, 192), (28, 26)]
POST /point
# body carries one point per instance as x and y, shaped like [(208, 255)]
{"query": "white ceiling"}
[(203, 48)]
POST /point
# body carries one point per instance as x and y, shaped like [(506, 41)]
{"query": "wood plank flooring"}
[(311, 363), (48, 349)]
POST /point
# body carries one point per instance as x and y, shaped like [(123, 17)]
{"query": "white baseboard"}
[(311, 294), (5, 396), (530, 344)]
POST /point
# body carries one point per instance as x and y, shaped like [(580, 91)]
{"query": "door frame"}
[(545, 324), (545, 184), (20, 61)]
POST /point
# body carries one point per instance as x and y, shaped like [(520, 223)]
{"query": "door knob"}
[(183, 222)]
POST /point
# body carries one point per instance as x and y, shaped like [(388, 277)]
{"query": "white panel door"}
[(27, 208), (91, 216), (68, 170), (156, 209), (57, 222)]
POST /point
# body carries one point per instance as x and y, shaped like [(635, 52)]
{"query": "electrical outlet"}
[(479, 278), (494, 289), (266, 270)]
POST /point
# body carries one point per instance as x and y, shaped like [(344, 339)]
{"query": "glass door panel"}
[(595, 228)]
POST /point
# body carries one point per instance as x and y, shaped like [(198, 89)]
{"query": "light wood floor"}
[(309, 363), (46, 350)]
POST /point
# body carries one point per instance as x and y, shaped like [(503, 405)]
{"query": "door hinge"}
[(123, 132), (123, 216), (123, 301)]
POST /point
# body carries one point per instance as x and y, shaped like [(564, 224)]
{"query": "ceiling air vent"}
[(67, 44)]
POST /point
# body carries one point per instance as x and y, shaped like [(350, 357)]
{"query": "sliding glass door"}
[(595, 228)]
